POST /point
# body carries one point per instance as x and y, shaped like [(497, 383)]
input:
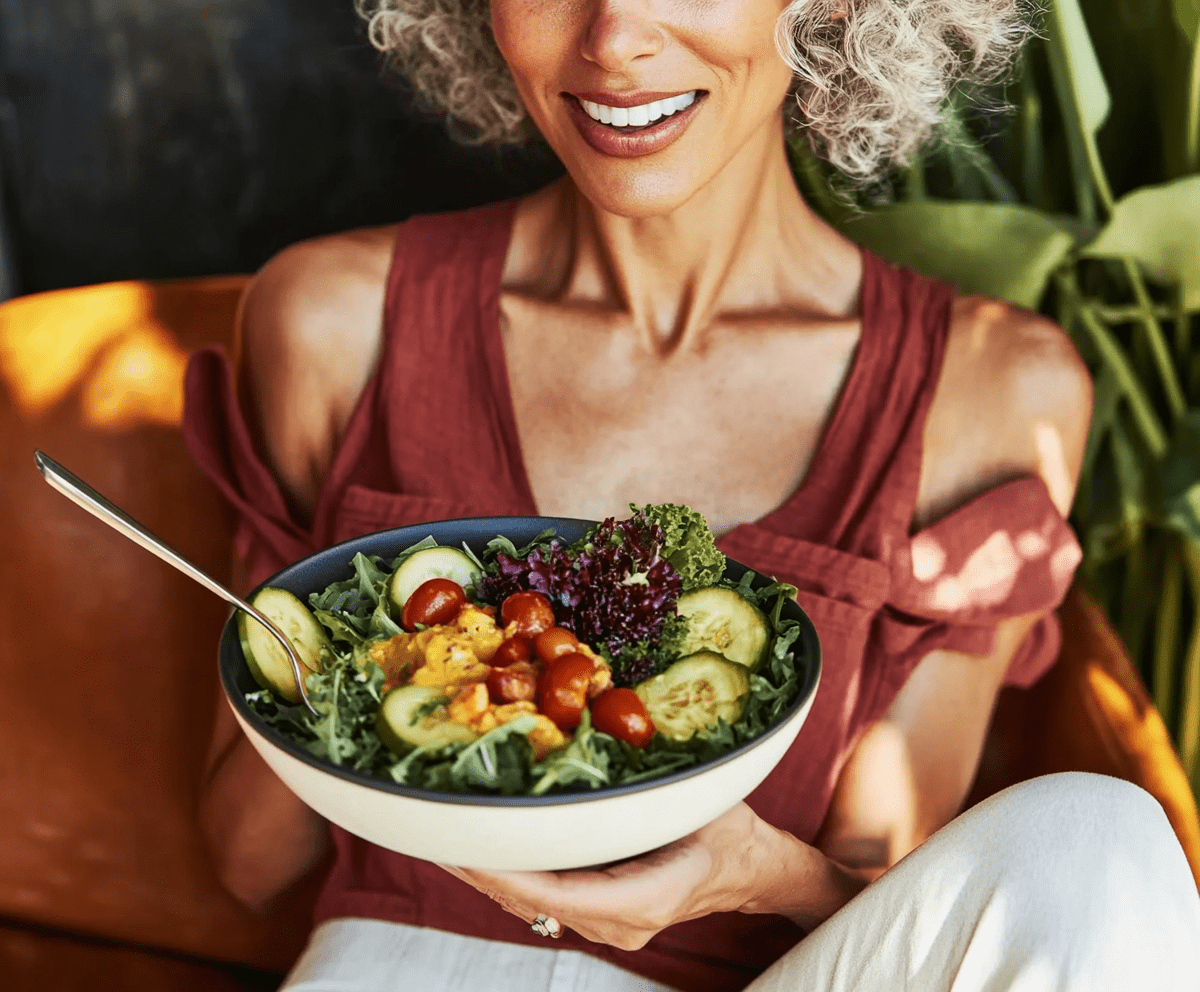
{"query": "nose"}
[(620, 32)]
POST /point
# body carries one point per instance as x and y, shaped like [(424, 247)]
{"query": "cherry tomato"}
[(531, 611), (512, 650), (620, 712), (432, 602), (562, 689), (512, 684), (554, 642)]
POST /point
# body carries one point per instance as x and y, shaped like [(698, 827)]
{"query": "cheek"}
[(737, 42), (532, 36)]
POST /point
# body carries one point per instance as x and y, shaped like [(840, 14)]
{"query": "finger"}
[(541, 923), (547, 926)]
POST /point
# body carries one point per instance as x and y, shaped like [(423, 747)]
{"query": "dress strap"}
[(430, 421), (861, 491)]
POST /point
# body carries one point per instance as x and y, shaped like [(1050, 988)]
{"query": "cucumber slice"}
[(398, 730), (694, 693), (722, 621), (265, 657), (426, 564)]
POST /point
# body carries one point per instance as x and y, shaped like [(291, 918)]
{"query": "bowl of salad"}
[(524, 693)]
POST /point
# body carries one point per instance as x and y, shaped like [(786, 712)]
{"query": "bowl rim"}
[(233, 668)]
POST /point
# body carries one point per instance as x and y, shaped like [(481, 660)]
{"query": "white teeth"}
[(638, 116)]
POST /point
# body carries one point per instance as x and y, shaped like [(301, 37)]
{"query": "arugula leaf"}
[(499, 760), (371, 578), (502, 545), (382, 622), (347, 696), (342, 628), (585, 760)]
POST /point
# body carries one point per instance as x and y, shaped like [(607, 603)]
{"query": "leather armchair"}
[(107, 666)]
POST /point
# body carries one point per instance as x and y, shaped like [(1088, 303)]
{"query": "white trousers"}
[(1071, 882)]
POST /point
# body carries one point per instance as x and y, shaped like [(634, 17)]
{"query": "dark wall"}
[(163, 138)]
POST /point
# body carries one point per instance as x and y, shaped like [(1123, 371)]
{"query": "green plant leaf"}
[(1176, 483), (1187, 16), (1158, 227), (1065, 22), (1083, 99), (997, 249), (1105, 402)]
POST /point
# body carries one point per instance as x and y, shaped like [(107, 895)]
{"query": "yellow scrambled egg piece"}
[(455, 657), (447, 656)]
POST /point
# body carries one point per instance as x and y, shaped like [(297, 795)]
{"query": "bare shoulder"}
[(1014, 398), (309, 334)]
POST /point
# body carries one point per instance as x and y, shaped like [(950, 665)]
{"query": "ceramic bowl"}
[(565, 830)]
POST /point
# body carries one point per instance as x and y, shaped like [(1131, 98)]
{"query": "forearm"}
[(797, 880), (262, 839)]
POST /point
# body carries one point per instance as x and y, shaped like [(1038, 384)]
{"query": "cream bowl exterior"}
[(520, 833)]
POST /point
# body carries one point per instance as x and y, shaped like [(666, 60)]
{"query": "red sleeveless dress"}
[(880, 596)]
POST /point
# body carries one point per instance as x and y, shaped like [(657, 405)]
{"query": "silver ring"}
[(546, 926)]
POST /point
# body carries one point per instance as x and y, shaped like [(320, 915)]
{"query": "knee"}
[(1088, 878), (1099, 851), (1083, 814)]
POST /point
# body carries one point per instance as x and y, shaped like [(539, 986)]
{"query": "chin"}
[(636, 189)]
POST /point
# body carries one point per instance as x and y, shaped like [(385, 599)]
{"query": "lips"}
[(631, 141)]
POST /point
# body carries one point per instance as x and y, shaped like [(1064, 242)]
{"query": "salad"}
[(622, 656)]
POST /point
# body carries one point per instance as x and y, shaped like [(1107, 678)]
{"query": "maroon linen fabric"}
[(434, 437)]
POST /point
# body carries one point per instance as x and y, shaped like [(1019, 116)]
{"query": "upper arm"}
[(308, 340), (1014, 399)]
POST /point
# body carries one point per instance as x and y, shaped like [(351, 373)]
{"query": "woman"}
[(671, 323)]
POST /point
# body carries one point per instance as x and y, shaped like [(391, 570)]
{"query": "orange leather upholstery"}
[(107, 662), (107, 655), (1090, 713)]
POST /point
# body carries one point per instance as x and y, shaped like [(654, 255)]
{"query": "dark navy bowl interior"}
[(314, 573)]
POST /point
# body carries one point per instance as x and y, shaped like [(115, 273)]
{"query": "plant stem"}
[(1191, 145), (1139, 404), (1129, 312), (914, 180), (1031, 141), (1156, 339), (1183, 328), (1189, 715), (1166, 634)]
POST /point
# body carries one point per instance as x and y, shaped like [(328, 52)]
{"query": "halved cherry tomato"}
[(554, 642), (562, 689), (531, 611), (513, 684), (434, 601), (620, 712), (512, 649)]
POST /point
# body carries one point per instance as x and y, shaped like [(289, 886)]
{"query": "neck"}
[(745, 242)]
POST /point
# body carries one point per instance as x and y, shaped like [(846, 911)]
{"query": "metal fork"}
[(80, 492)]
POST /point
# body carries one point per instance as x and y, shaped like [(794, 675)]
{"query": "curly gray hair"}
[(871, 76)]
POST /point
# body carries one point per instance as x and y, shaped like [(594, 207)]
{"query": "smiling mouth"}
[(629, 119)]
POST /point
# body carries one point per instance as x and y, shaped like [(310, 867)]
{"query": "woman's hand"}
[(736, 863)]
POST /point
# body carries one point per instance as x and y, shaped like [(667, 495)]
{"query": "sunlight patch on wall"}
[(137, 380), (102, 340)]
